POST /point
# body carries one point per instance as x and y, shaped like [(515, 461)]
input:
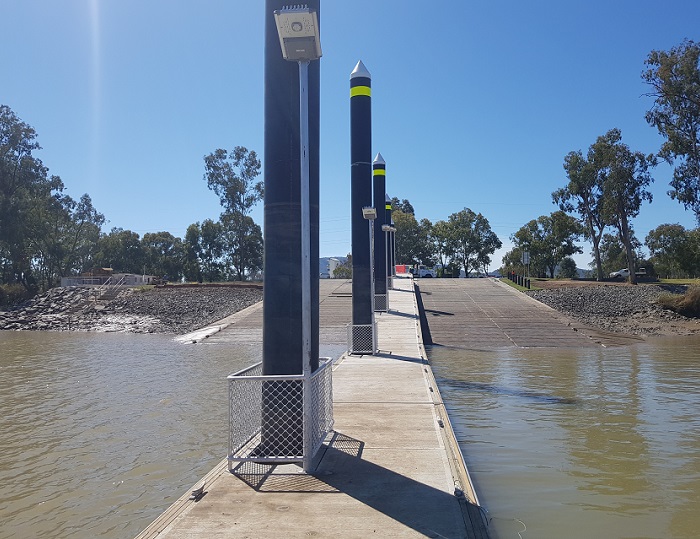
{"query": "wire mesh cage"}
[(381, 303), (275, 419), (362, 338)]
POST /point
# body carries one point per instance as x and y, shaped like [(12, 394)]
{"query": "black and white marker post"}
[(362, 335)]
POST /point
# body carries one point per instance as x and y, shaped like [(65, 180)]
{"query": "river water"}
[(102, 432), (580, 443)]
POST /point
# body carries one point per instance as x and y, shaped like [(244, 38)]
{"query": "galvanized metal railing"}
[(279, 418)]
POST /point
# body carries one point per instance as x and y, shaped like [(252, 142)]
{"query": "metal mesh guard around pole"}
[(283, 396), (362, 338)]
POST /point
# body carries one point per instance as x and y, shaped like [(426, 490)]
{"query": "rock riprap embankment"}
[(177, 309), (620, 309)]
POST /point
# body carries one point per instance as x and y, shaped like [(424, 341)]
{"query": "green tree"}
[(24, 186), (244, 244), (443, 245), (584, 195), (65, 238), (164, 255), (233, 177), (211, 250), (674, 77), (191, 267), (344, 269), (625, 177), (549, 239), (402, 205), (567, 268), (412, 242), (613, 253), (471, 240), (122, 251), (674, 250)]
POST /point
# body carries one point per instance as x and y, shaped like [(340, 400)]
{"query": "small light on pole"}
[(298, 31)]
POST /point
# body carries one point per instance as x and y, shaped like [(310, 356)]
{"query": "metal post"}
[(361, 191), (305, 222), (386, 262)]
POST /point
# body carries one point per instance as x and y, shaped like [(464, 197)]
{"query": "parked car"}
[(625, 273)]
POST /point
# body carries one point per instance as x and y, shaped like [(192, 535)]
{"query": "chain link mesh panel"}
[(380, 303), (267, 417), (362, 338)]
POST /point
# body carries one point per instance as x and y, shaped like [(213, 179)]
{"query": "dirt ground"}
[(667, 324)]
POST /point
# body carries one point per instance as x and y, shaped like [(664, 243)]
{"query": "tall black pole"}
[(282, 288), (361, 192), (379, 192)]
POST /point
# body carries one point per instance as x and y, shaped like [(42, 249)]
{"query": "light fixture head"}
[(299, 34), (369, 213)]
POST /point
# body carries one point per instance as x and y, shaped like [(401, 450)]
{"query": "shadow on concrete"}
[(388, 355), (425, 509)]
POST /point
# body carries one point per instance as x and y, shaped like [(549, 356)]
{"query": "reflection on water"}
[(580, 443), (102, 432)]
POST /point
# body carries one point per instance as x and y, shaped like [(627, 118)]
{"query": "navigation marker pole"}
[(362, 334), (380, 293)]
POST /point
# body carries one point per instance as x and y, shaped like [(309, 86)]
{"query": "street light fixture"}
[(369, 213), (298, 31), (297, 27)]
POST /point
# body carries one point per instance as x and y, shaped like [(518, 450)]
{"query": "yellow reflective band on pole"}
[(388, 206), (360, 90), (379, 172)]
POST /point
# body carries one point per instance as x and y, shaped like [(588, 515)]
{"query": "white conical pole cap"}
[(387, 197), (360, 71), (379, 160)]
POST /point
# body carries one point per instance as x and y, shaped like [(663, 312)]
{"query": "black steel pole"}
[(361, 191), (282, 312), (379, 192), (283, 342)]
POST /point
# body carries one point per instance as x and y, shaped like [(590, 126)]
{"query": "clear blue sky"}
[(475, 104)]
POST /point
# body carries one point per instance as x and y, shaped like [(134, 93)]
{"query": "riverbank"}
[(172, 309), (614, 307), (619, 308)]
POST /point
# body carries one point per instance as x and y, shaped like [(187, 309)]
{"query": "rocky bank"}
[(621, 309), (176, 309)]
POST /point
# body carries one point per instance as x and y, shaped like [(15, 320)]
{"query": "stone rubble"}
[(177, 309), (620, 309)]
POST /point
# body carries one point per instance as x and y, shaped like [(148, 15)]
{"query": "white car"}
[(625, 273)]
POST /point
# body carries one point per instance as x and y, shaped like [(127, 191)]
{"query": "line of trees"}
[(608, 185), (464, 241), (45, 234)]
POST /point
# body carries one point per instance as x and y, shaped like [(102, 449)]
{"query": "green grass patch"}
[(687, 304), (518, 287), (688, 282)]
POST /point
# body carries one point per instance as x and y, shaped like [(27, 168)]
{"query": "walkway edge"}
[(472, 509)]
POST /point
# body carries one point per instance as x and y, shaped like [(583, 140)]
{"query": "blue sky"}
[(475, 104)]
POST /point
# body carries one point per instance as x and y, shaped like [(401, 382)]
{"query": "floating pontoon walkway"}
[(391, 468)]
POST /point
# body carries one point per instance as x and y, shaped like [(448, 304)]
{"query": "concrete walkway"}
[(391, 469)]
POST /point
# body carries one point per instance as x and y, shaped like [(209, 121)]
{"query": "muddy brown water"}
[(102, 432), (580, 443)]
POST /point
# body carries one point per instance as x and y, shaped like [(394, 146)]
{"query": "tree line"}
[(608, 185), (45, 234), (605, 190)]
